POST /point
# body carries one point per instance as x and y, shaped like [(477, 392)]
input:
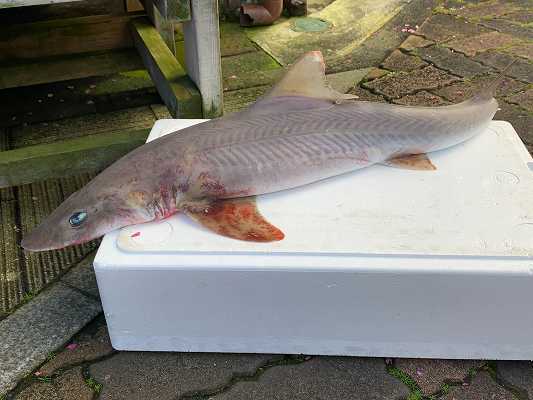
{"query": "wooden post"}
[(169, 77), (202, 54), (162, 22)]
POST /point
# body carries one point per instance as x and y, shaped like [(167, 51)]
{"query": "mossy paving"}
[(285, 360)]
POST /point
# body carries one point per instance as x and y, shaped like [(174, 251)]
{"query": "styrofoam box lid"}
[(479, 202)]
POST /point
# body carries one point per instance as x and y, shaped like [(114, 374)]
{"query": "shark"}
[(300, 132)]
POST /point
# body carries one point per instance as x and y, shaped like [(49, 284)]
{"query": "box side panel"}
[(345, 313)]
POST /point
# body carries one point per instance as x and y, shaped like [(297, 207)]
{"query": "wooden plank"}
[(174, 86), (43, 103), (11, 278), (202, 54), (80, 8), (67, 157), (27, 3), (94, 124), (64, 36), (62, 68)]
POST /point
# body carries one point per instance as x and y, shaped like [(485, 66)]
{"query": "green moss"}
[(123, 82), (26, 297), (406, 380), (233, 40), (51, 356), (247, 64), (94, 385)]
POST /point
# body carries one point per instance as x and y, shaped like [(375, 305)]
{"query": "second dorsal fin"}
[(307, 78)]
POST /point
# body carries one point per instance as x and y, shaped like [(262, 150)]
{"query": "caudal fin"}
[(487, 92)]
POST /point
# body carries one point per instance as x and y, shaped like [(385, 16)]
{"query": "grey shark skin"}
[(302, 131)]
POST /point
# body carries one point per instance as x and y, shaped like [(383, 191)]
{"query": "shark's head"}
[(81, 218)]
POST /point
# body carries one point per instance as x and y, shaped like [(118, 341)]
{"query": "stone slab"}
[(350, 23), (441, 28), (482, 387), (85, 347), (461, 90), (517, 375), (82, 277), (523, 99), (430, 374), (39, 327), (69, 385), (401, 84), (329, 378), (422, 98), (453, 62), (399, 61), (162, 376), (480, 43), (521, 69)]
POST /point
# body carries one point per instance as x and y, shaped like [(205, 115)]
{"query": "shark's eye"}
[(77, 218)]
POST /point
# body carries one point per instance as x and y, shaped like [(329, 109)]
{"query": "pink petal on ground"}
[(37, 373), (72, 346)]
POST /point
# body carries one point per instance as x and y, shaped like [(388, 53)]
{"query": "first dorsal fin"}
[(307, 78)]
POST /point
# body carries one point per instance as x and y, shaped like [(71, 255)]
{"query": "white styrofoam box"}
[(379, 262)]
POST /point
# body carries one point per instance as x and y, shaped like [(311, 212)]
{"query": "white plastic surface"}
[(398, 284), (477, 203)]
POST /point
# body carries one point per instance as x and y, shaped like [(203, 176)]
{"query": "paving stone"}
[(367, 95), (520, 17), (521, 120), (39, 391), (82, 277), (506, 26), (451, 61), (523, 99), (461, 90), (477, 44), (482, 387), (321, 378), (415, 42), (344, 81), (375, 73), (399, 61), (28, 335), (517, 375), (70, 385), (86, 347), (431, 374), (401, 84), (486, 9), (521, 69), (134, 375), (236, 100), (524, 50), (442, 27), (422, 98)]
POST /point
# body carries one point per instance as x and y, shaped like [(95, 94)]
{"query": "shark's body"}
[(301, 132)]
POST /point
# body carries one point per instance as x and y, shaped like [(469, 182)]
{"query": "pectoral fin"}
[(419, 162), (236, 218)]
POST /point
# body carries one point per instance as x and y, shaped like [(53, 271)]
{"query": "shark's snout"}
[(39, 240)]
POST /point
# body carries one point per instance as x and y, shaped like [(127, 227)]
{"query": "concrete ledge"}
[(47, 322)]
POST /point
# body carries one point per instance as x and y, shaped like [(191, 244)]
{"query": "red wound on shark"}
[(237, 218)]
